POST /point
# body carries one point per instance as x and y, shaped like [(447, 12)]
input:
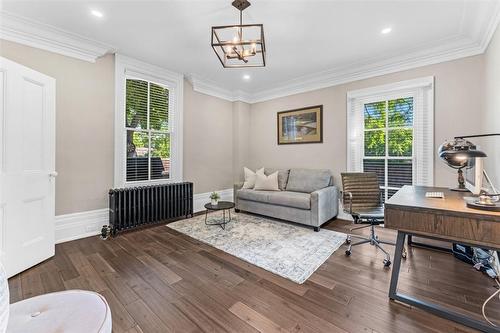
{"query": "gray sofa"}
[(306, 196)]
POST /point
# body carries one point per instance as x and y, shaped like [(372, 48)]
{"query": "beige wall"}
[(458, 91), (241, 138), (84, 124), (491, 118), (208, 141), (221, 137)]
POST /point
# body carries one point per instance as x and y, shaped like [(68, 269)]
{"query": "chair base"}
[(372, 240)]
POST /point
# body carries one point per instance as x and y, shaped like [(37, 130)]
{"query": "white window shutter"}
[(422, 92), (355, 135), (423, 131)]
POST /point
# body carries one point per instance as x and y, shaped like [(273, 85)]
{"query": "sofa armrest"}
[(324, 205), (236, 187)]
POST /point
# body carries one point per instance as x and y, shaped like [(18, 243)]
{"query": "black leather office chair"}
[(362, 199)]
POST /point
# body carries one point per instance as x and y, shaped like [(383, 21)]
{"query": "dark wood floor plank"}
[(120, 288), (197, 316), (255, 319), (147, 320), (159, 280), (122, 320), (15, 289)]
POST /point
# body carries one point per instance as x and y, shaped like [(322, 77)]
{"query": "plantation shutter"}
[(420, 170), (423, 136), (355, 135)]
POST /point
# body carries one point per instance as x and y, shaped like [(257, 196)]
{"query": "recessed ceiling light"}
[(246, 77), (386, 30), (96, 13)]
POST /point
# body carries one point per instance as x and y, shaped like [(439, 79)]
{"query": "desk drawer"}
[(447, 226)]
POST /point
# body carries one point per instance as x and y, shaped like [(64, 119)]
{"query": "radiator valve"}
[(105, 232)]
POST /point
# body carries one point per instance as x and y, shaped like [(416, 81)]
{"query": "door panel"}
[(28, 158)]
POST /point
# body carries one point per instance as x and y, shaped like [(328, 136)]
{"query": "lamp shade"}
[(457, 152)]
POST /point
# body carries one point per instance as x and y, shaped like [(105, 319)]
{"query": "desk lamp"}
[(457, 152)]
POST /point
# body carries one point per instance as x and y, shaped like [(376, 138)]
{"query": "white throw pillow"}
[(266, 183), (4, 300), (250, 177)]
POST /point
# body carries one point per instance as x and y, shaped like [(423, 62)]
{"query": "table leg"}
[(396, 266), (436, 309)]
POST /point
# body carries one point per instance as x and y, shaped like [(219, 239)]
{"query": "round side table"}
[(221, 205)]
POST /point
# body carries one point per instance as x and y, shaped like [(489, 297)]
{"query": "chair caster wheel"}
[(387, 263), (348, 252), (348, 241), (403, 255)]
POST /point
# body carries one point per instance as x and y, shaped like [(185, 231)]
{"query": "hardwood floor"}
[(158, 280)]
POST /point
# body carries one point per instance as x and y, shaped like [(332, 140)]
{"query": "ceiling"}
[(304, 38)]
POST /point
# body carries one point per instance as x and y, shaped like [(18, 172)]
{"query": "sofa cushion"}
[(282, 176), (290, 199), (308, 180), (282, 198), (252, 195)]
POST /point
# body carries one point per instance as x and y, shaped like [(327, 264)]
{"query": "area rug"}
[(289, 250)]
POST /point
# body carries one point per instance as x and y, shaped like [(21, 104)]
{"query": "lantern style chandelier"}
[(240, 45)]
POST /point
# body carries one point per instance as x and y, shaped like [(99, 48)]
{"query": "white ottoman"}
[(75, 311)]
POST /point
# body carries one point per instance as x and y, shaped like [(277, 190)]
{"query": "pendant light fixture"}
[(240, 45)]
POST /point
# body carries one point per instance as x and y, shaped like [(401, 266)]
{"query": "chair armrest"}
[(324, 205), (346, 202)]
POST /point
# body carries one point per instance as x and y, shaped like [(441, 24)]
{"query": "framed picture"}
[(301, 125)]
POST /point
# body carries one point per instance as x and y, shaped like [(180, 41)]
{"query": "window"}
[(148, 137), (147, 124), (388, 142), (390, 132)]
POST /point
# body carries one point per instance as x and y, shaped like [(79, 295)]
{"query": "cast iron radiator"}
[(138, 206)]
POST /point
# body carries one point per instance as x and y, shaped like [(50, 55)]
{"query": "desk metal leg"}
[(438, 310), (396, 266)]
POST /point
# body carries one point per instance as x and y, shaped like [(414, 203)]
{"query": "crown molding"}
[(208, 87), (459, 48), (453, 48), (46, 37), (489, 28), (43, 36)]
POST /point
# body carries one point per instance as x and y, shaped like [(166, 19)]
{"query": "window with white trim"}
[(390, 132), (148, 130), (146, 124)]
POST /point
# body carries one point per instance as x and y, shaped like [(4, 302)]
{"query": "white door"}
[(27, 166)]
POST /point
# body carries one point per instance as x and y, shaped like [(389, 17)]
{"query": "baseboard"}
[(200, 199), (74, 226), (69, 227)]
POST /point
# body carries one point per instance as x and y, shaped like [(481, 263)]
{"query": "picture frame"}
[(304, 125)]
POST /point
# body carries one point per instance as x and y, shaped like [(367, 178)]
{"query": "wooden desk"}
[(411, 213)]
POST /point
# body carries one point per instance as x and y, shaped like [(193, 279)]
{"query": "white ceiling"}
[(303, 38)]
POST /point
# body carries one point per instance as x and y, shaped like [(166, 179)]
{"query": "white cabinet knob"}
[(53, 174)]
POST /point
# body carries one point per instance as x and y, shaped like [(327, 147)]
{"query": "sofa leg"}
[(316, 229)]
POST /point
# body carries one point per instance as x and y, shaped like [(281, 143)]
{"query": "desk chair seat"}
[(361, 197), (375, 213)]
